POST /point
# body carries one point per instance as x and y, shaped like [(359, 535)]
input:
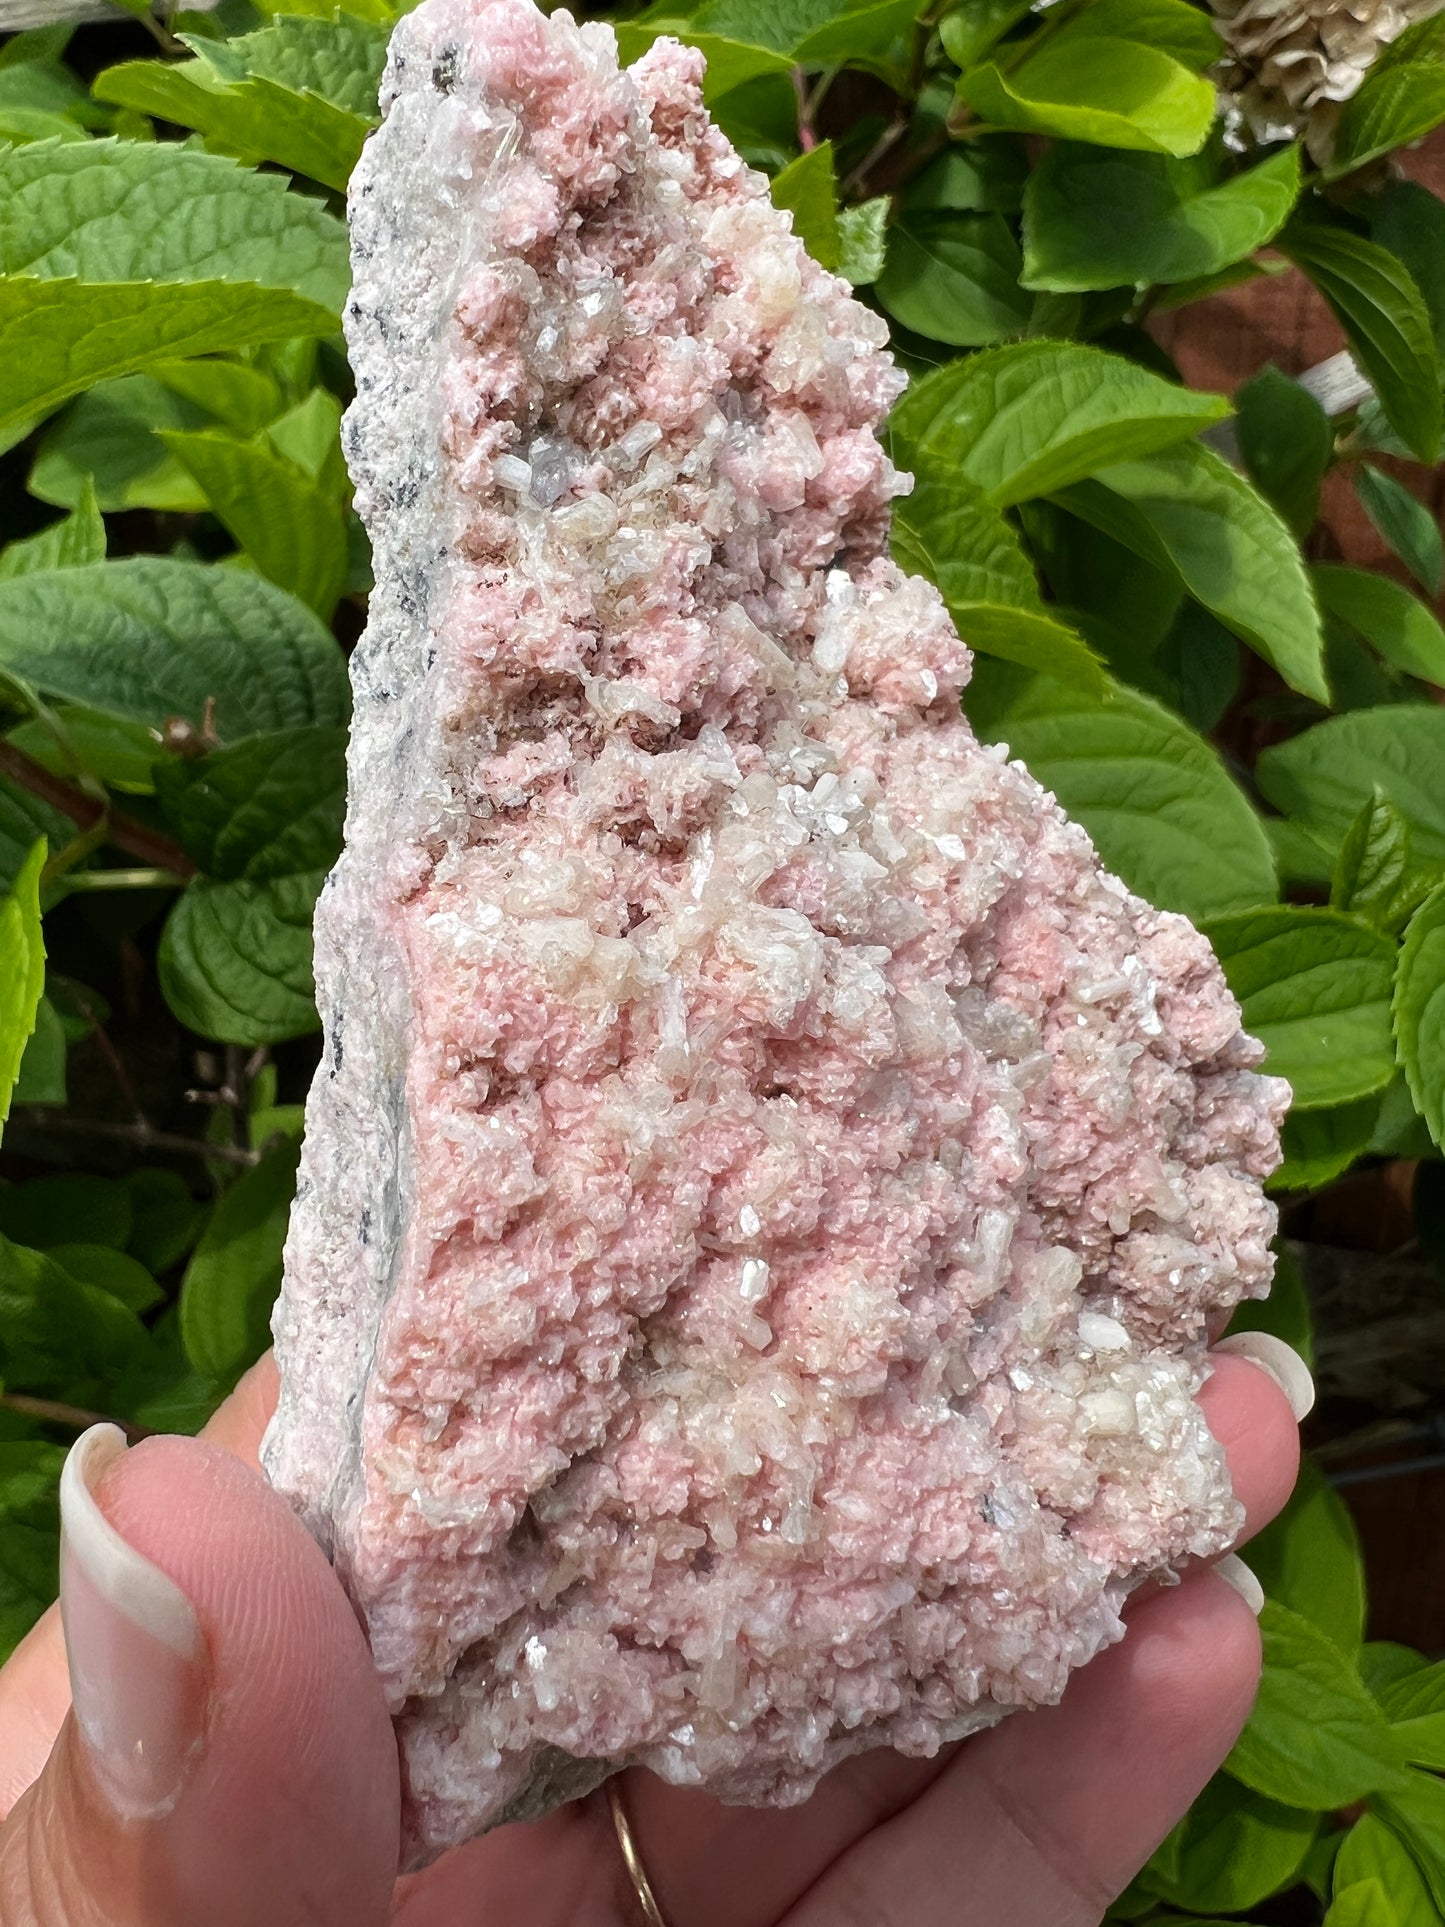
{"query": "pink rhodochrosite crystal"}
[(766, 1185)]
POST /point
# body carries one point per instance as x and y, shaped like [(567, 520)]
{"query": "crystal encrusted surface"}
[(766, 1185)]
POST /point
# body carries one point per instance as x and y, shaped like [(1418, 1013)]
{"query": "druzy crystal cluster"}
[(767, 1185)]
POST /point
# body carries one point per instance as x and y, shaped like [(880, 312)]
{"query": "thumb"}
[(228, 1758)]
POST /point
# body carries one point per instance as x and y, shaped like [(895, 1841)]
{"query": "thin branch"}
[(125, 880), (89, 812), (807, 139), (75, 1416), (143, 1135)]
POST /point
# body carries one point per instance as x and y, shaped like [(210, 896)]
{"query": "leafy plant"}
[(1252, 732)]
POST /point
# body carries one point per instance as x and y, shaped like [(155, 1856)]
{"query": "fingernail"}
[(1281, 1361), (1233, 1571), (139, 1670)]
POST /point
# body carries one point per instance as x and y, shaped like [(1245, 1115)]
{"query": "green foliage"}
[(1245, 729)]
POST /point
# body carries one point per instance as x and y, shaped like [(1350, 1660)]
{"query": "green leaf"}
[(1375, 300), (233, 1277), (1415, 1708), (779, 24), (1314, 986), (1420, 1010), (245, 399), (1410, 222), (986, 176), (1286, 441), (1394, 622), (68, 544), (49, 1211), (1394, 106), (29, 1535), (806, 190), (1308, 1558), (1319, 1145), (1081, 86), (59, 1336), (113, 1271), (41, 1077), (1187, 511), (954, 278), (969, 32), (1383, 1662), (1326, 775), (1153, 796), (1375, 875), (123, 212), (1407, 525), (23, 819), (1231, 1849), (271, 807), (1416, 1811), (235, 958), (337, 60), (1315, 1739), (1095, 219), (1365, 1904), (874, 37), (22, 977), (1172, 27), (1030, 419), (166, 1219), (107, 440), (1373, 1851), (293, 529), (57, 337), (863, 241), (953, 534), (151, 638)]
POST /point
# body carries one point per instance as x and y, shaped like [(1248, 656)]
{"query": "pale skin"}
[(289, 1816)]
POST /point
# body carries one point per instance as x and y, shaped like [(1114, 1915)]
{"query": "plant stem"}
[(142, 1134), (125, 880), (73, 1415), (90, 813)]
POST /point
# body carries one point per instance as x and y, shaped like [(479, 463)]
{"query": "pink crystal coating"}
[(767, 1185)]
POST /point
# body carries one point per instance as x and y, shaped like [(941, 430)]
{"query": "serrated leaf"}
[(1314, 987), (1095, 219), (1030, 419), (58, 337), (1405, 523), (1308, 1558), (121, 211), (1371, 1850), (1375, 300), (235, 958), (1375, 875), (339, 60), (22, 969), (806, 189), (293, 529), (271, 807), (1391, 108), (863, 240), (1286, 441), (1154, 797), (29, 1534), (952, 533), (1086, 87), (1394, 622), (1326, 775), (954, 278), (1315, 1739), (235, 1272), (1410, 222), (71, 543), (255, 119), (1231, 1849), (151, 638), (1187, 511), (1420, 1010)]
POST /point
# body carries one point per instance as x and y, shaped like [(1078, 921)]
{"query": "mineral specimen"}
[(766, 1185)]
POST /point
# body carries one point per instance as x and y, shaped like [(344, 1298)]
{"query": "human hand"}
[(238, 1770)]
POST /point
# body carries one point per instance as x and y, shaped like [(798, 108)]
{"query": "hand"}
[(264, 1790)]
